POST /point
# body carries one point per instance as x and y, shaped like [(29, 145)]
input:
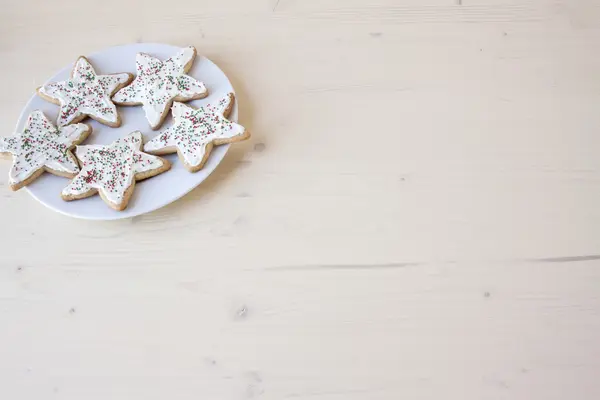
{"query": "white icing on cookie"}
[(85, 93), (41, 145), (111, 169), (158, 83), (193, 129)]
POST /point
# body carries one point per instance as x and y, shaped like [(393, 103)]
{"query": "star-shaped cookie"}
[(157, 84), (195, 131), (86, 94), (42, 147), (113, 170)]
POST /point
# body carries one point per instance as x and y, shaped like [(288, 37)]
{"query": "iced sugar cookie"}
[(113, 170), (195, 131), (42, 147), (159, 83), (86, 94)]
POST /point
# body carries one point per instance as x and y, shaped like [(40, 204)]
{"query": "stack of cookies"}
[(112, 170)]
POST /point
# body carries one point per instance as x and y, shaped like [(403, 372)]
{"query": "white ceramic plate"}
[(152, 193)]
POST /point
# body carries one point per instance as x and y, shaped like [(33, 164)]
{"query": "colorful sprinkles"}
[(111, 169), (193, 129), (40, 145), (157, 83), (85, 93)]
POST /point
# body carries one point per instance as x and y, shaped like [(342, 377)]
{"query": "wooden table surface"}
[(417, 215)]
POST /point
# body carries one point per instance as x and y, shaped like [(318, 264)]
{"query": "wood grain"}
[(416, 217)]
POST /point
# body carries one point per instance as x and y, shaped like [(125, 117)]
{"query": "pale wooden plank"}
[(416, 216)]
